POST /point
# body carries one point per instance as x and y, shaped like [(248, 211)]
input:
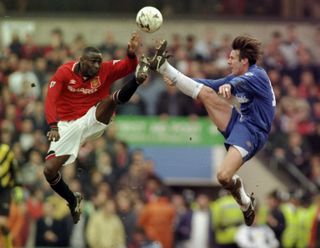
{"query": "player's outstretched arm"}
[(133, 44)]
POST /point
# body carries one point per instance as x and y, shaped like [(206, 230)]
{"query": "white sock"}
[(245, 199), (185, 84)]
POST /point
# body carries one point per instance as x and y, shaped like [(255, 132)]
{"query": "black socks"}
[(125, 93), (61, 188)]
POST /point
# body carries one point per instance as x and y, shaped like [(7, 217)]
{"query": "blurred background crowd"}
[(207, 8), (126, 203)]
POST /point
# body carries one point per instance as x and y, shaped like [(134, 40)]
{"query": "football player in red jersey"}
[(79, 107)]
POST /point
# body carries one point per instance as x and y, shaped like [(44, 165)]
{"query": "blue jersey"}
[(254, 92)]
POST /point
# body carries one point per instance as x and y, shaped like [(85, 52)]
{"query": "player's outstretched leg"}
[(245, 201), (75, 208), (107, 107), (54, 178), (160, 57), (142, 70), (125, 93), (160, 64)]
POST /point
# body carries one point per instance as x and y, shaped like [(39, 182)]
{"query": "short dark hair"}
[(249, 48), (90, 49)]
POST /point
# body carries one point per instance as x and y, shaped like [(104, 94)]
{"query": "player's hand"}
[(168, 81), (133, 44), (225, 90), (53, 134)]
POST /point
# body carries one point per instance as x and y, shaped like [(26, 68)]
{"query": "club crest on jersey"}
[(95, 83)]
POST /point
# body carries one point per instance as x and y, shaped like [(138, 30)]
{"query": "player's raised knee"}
[(224, 178), (207, 94), (49, 171)]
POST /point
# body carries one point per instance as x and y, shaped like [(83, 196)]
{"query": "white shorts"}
[(74, 133)]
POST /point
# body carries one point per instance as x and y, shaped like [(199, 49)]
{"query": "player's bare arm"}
[(133, 44)]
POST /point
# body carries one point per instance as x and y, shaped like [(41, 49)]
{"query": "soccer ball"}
[(149, 19)]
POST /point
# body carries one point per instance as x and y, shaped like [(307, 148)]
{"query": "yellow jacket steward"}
[(8, 167)]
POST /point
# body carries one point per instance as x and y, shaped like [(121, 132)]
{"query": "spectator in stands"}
[(297, 152), (127, 214), (30, 50), (16, 45), (201, 224), (32, 170), (24, 82), (56, 41), (275, 217), (157, 219), (306, 214), (36, 115), (78, 44), (152, 185), (149, 93), (140, 240), (122, 158), (289, 48), (34, 211), (314, 241), (290, 208), (26, 138), (108, 46), (50, 230), (182, 229), (104, 166), (226, 217), (273, 57), (105, 228), (41, 72), (174, 103)]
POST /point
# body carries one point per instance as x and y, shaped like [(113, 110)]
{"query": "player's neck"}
[(78, 71)]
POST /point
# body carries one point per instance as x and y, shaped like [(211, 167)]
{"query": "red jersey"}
[(70, 96)]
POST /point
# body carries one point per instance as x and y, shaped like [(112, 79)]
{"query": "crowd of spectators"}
[(126, 204), (297, 9)]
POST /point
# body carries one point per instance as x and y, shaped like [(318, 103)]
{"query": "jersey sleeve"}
[(121, 68), (54, 90), (248, 82), (215, 83)]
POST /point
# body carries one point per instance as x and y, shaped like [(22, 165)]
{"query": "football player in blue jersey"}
[(246, 129)]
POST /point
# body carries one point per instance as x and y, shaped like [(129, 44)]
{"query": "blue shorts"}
[(243, 134)]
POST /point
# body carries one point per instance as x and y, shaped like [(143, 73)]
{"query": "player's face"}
[(237, 66), (90, 64)]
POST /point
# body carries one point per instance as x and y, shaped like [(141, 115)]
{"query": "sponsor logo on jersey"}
[(82, 90), (52, 83), (95, 83), (242, 99)]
